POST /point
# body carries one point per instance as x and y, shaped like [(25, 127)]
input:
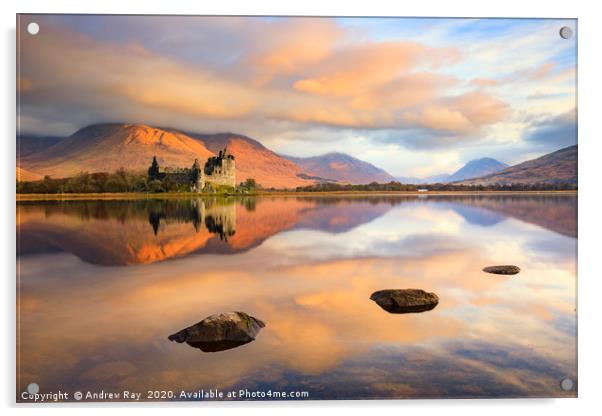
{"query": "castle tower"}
[(221, 169), (229, 167)]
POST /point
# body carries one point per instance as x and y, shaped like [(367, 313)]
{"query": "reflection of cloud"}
[(478, 216), (480, 370), (322, 330), (317, 315), (554, 250)]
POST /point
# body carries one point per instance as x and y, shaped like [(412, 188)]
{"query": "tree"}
[(249, 184), (155, 186), (195, 172), (153, 171)]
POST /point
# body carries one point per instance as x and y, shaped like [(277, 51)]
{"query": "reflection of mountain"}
[(148, 231), (477, 215), (557, 213), (112, 232)]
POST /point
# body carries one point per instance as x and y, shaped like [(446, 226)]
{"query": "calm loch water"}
[(103, 283)]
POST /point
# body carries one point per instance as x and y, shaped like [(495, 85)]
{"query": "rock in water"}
[(506, 269), (220, 332), (405, 300)]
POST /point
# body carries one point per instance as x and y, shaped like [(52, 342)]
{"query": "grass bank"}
[(184, 195)]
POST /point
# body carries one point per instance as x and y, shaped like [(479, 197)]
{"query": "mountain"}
[(477, 168), (410, 180), (29, 144), (108, 147), (441, 178), (341, 167), (557, 167), (254, 160), (473, 169), (25, 175)]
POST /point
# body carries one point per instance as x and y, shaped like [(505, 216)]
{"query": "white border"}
[(590, 94)]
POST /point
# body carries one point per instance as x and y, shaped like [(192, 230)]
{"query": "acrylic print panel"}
[(284, 208)]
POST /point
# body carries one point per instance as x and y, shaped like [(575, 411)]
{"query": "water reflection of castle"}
[(218, 217)]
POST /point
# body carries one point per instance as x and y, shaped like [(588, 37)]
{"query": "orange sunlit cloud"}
[(346, 85), (435, 94)]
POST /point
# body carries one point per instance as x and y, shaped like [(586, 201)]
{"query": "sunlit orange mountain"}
[(108, 147), (25, 175), (254, 160)]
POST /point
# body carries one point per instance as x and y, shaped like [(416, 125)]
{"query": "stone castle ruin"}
[(218, 170)]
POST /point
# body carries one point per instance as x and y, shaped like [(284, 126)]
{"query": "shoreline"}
[(175, 195)]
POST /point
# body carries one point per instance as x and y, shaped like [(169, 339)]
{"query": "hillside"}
[(341, 167), (25, 175), (29, 144), (473, 169), (556, 167), (254, 160), (108, 147)]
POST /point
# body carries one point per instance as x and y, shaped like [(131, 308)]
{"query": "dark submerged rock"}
[(504, 269), (405, 300), (220, 332)]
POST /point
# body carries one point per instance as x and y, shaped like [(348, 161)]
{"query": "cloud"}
[(358, 68), (484, 82), (308, 84), (539, 73), (288, 46), (308, 72), (554, 132)]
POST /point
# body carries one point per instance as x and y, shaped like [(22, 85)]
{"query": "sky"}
[(414, 96)]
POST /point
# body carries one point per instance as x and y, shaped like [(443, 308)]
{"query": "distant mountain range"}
[(110, 146), (477, 168), (472, 169), (556, 167), (341, 167)]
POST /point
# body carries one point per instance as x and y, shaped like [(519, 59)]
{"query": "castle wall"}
[(218, 170), (223, 174)]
